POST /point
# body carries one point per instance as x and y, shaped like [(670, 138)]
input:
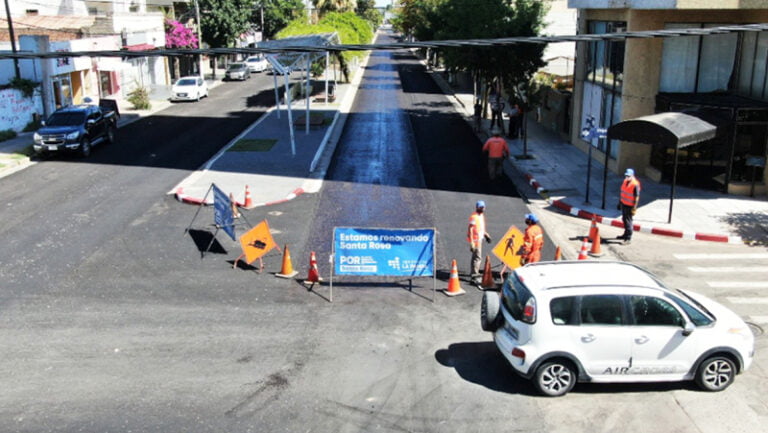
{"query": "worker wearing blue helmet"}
[(533, 240), (475, 235)]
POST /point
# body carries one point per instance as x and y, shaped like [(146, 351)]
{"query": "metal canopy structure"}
[(285, 62), (644, 34), (672, 129)]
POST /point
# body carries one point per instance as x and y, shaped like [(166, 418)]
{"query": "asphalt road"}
[(111, 321)]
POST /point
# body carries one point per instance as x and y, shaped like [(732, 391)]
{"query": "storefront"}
[(733, 161)]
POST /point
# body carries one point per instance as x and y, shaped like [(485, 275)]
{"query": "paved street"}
[(111, 321)]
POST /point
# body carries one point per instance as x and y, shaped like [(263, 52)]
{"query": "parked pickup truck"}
[(76, 128)]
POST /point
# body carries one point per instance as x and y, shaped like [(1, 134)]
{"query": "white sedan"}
[(257, 63), (189, 89)]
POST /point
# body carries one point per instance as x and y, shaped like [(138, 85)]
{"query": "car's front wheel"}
[(555, 378), (85, 147), (110, 135), (716, 374)]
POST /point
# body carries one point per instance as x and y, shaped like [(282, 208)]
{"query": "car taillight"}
[(529, 312), (518, 353)]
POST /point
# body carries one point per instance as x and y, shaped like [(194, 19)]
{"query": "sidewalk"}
[(558, 172)]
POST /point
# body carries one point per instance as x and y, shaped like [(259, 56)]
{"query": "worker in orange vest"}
[(533, 240), (475, 235), (497, 151), (630, 198)]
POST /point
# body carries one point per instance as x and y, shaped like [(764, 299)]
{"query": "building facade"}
[(78, 25), (724, 74)]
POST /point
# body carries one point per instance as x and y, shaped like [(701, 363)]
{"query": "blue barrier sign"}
[(384, 252), (222, 212)]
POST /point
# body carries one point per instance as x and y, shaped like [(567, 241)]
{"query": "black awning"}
[(670, 129)]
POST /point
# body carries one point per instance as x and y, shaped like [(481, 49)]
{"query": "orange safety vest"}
[(476, 229), (496, 147), (533, 240), (630, 189)]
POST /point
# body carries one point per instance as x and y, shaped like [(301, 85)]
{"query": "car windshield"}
[(66, 119), (254, 59), (236, 66), (186, 82)]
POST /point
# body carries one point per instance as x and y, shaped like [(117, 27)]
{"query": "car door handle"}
[(588, 338), (642, 339)]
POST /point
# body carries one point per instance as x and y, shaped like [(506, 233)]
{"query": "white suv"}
[(562, 322)]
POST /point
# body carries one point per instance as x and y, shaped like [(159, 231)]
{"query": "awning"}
[(672, 129), (139, 47)]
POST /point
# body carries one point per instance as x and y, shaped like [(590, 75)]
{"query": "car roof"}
[(565, 274), (79, 107)]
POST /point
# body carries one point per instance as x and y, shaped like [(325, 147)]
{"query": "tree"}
[(511, 66), (178, 36), (277, 15), (366, 9), (223, 21), (325, 6)]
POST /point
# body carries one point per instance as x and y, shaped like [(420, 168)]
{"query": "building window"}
[(603, 82), (32, 12), (701, 64)]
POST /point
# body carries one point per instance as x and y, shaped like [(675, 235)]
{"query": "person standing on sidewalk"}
[(630, 198), (515, 114), (497, 151), (478, 114), (475, 235), (533, 240), (497, 108)]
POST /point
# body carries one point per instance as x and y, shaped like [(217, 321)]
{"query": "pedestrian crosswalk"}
[(738, 279)]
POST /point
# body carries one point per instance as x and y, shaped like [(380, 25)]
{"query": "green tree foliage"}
[(222, 21), (325, 6), (417, 18), (277, 14), (351, 30)]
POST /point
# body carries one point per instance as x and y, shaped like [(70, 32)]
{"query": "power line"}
[(476, 43)]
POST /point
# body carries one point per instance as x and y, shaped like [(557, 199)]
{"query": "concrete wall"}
[(16, 110)]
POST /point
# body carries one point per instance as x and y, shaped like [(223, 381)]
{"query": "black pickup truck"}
[(76, 128)]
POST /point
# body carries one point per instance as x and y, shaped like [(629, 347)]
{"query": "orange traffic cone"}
[(593, 229), (287, 270), (488, 281), (595, 250), (583, 252), (248, 201), (454, 289), (558, 254), (314, 275)]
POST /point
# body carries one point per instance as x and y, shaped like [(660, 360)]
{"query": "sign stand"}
[(223, 219)]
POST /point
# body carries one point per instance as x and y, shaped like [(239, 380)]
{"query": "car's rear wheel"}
[(490, 312), (555, 378), (716, 374), (85, 147)]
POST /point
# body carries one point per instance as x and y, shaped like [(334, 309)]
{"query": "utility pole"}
[(13, 39), (199, 40)]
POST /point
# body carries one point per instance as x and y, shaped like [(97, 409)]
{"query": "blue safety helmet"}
[(480, 204), (531, 217)]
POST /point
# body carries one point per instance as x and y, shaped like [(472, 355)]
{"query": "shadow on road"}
[(482, 364)]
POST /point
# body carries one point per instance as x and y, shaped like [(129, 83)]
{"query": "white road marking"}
[(724, 269), (738, 284), (716, 256), (746, 300)]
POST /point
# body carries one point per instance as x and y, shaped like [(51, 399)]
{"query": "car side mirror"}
[(688, 329), (91, 121)]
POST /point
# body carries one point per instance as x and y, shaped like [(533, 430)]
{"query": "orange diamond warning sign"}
[(508, 249), (256, 242)]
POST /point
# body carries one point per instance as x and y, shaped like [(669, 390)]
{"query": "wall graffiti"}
[(16, 111)]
